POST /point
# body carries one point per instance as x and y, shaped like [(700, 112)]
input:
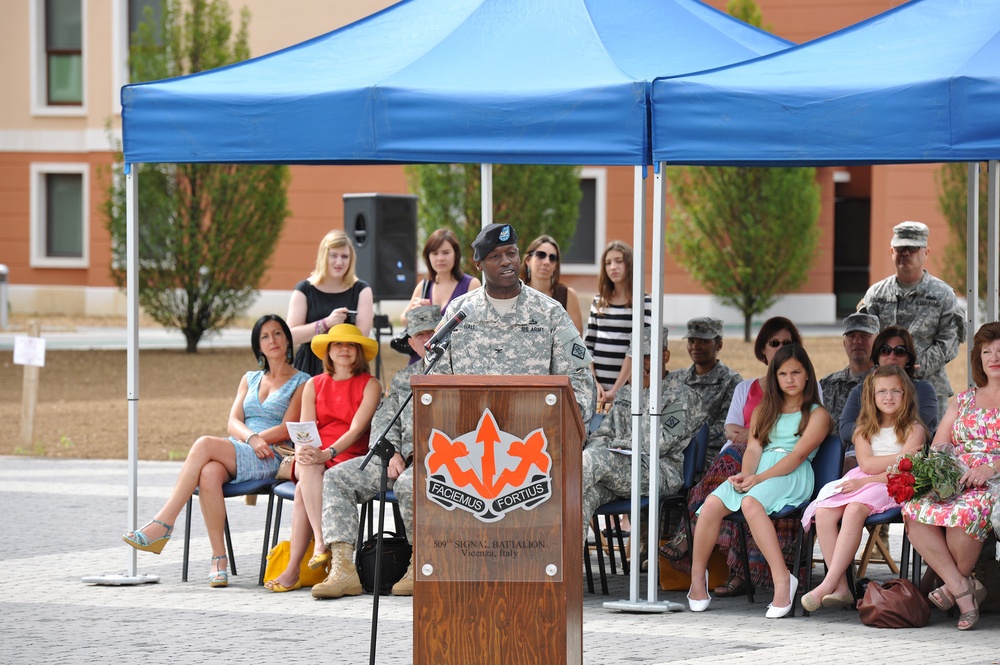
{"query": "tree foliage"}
[(745, 234), (206, 231), (533, 199), (952, 181)]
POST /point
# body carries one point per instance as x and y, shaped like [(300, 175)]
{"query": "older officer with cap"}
[(346, 485), (921, 303), (513, 329), (607, 472), (859, 333), (709, 377)]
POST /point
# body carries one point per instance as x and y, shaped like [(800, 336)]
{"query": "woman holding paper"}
[(341, 401), (265, 400)]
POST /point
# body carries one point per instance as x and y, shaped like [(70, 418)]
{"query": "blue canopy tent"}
[(919, 83), (492, 81)]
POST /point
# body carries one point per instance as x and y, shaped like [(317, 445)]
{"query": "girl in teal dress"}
[(786, 429)]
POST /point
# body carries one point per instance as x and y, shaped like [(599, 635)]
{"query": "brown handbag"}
[(894, 604), (287, 454)]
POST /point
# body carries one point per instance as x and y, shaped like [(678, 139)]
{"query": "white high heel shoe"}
[(778, 612), (699, 605)]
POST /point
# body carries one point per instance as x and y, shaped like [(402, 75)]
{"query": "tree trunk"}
[(746, 326), (192, 337)]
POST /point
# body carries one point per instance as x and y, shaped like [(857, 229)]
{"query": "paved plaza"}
[(62, 519)]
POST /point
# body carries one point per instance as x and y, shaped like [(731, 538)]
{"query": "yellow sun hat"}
[(343, 332)]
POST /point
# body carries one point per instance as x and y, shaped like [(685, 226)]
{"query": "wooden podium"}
[(497, 555)]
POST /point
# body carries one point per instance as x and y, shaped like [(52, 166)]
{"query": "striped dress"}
[(607, 338)]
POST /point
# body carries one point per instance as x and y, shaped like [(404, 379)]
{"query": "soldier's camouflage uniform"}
[(836, 387), (536, 337), (607, 475), (930, 311), (716, 391)]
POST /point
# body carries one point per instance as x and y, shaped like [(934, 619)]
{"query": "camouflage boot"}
[(343, 579), (404, 587)]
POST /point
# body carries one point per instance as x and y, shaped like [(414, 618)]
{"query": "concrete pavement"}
[(62, 520)]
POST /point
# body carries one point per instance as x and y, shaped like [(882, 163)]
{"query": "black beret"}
[(492, 236)]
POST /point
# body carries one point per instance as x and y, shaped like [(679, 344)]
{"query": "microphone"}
[(444, 332)]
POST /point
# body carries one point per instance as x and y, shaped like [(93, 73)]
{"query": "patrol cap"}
[(647, 341), (423, 318), (865, 323), (910, 234), (704, 327), (490, 237)]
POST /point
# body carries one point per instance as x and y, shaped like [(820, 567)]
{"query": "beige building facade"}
[(65, 62)]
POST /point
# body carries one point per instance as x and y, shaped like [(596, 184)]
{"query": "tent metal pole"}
[(655, 380), (634, 604), (132, 577), (486, 187), (993, 173), (971, 264)]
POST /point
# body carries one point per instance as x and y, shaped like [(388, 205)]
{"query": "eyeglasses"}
[(775, 343), (539, 254), (882, 394), (898, 351)]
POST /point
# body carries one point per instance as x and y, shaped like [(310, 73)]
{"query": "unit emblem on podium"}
[(488, 472)]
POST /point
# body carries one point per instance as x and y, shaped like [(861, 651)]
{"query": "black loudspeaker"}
[(383, 228)]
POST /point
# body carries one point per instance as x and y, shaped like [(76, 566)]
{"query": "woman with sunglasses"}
[(540, 271), (776, 333), (445, 280), (893, 346)]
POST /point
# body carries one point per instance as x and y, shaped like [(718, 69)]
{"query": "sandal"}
[(140, 541), (220, 578), (734, 586), (838, 601), (672, 548), (941, 599), (970, 618), (321, 559), (278, 587)]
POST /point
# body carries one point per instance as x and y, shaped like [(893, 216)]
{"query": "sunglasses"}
[(898, 351), (775, 343), (539, 254)]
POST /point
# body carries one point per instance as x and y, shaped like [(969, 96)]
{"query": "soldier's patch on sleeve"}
[(569, 339), (674, 417), (672, 422)]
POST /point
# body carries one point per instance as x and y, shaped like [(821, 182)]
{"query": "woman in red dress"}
[(342, 401)]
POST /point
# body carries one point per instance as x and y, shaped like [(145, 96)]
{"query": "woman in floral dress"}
[(949, 534)]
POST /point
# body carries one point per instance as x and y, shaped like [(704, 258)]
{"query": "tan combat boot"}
[(343, 579), (404, 587)]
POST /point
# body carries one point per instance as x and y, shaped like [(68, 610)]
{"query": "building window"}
[(58, 35), (59, 215), (126, 15), (581, 254), (64, 52)]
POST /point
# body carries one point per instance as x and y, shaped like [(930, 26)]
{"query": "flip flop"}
[(277, 587)]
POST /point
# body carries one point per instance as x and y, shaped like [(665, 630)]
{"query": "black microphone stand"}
[(385, 451)]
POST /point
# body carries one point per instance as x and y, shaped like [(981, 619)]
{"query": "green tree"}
[(206, 231), (952, 181), (533, 199), (746, 234)]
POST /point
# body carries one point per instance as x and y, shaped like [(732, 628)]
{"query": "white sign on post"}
[(29, 351)]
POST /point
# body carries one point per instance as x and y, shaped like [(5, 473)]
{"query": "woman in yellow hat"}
[(342, 401)]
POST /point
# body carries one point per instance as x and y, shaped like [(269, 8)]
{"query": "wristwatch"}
[(333, 452)]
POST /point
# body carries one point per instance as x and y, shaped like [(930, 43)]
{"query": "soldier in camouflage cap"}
[(859, 333), (346, 485), (607, 475), (921, 303), (709, 377)]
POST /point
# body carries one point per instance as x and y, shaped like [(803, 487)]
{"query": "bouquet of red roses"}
[(917, 474)]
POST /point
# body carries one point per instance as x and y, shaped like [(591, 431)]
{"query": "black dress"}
[(319, 304)]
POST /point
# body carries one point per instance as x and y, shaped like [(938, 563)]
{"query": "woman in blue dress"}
[(265, 400), (786, 429)]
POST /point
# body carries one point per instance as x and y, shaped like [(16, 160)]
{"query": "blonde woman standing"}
[(331, 295)]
